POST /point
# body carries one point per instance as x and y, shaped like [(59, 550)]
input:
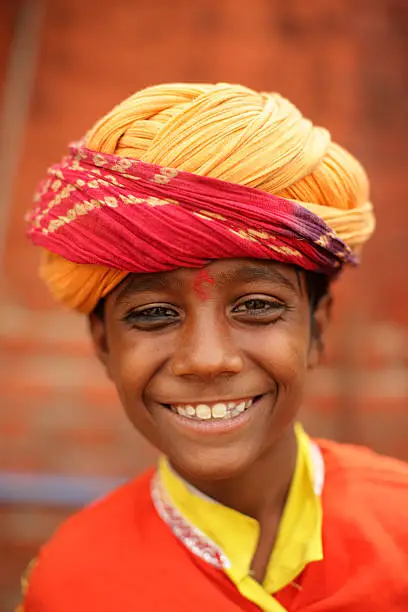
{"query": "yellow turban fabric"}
[(232, 133)]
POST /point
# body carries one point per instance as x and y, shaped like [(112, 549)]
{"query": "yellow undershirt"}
[(299, 539)]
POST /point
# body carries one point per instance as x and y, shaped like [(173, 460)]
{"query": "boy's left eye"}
[(259, 307), (254, 304)]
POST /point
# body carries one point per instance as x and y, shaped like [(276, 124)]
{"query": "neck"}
[(262, 489)]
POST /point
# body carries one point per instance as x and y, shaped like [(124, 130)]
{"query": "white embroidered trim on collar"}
[(193, 538)]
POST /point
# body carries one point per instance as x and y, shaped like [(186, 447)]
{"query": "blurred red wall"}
[(344, 63)]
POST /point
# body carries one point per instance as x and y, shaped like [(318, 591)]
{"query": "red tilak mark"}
[(202, 285)]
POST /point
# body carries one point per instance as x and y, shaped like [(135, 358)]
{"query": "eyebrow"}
[(250, 273), (143, 282)]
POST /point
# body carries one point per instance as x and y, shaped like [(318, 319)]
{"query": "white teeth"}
[(203, 411), (219, 411), (240, 407)]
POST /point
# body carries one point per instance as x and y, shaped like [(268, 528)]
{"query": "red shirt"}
[(118, 555)]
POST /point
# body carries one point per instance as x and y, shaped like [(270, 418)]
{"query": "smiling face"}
[(214, 383)]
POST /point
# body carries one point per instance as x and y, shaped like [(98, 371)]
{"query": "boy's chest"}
[(176, 587)]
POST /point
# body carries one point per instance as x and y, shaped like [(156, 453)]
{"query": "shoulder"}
[(91, 540), (109, 516), (117, 509), (366, 483), (359, 462)]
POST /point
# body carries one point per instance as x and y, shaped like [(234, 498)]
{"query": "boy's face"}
[(210, 365)]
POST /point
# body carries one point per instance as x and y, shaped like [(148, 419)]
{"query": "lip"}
[(213, 426)]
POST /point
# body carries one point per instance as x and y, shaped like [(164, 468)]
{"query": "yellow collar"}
[(234, 535)]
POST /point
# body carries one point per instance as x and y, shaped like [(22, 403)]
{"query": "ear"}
[(319, 325), (97, 329)]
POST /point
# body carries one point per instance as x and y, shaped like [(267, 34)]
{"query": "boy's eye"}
[(151, 315), (261, 308), (254, 304)]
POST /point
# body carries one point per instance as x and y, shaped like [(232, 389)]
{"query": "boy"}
[(199, 228)]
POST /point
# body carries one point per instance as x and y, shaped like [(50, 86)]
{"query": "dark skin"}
[(254, 336)]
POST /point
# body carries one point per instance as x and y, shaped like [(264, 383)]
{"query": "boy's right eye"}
[(151, 316)]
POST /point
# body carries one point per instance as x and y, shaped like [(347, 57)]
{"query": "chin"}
[(211, 465)]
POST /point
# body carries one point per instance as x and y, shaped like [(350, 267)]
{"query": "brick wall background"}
[(65, 62)]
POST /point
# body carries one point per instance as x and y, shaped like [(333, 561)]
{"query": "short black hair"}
[(317, 286), (99, 310)]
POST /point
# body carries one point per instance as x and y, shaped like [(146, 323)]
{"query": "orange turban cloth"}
[(231, 133)]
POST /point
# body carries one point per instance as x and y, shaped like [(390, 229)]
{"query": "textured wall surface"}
[(343, 62)]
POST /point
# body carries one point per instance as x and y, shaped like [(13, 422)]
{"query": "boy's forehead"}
[(216, 273)]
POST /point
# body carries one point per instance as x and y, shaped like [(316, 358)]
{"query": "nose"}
[(206, 349)]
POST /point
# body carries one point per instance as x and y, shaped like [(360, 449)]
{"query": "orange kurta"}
[(118, 554)]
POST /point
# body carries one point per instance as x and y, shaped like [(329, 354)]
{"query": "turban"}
[(179, 175)]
